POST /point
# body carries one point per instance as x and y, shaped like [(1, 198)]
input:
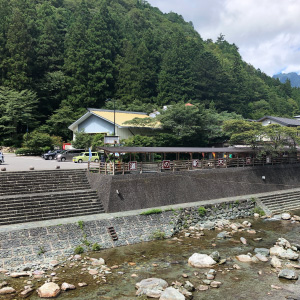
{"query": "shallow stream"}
[(167, 259)]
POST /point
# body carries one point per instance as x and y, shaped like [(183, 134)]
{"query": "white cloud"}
[(266, 31)]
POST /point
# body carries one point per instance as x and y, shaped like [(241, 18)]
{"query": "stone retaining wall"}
[(29, 247), (139, 191)]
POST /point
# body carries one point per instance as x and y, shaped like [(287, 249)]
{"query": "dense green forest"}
[(58, 57)]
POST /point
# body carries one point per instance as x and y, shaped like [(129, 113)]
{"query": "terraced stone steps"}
[(44, 195), (281, 202), (38, 181)]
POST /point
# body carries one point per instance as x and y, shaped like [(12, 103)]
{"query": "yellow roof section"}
[(121, 117)]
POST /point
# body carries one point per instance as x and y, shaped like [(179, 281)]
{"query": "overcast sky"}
[(267, 32)]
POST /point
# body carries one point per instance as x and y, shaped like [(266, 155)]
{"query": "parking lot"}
[(23, 163)]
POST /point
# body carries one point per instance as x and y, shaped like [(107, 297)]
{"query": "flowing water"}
[(167, 259)]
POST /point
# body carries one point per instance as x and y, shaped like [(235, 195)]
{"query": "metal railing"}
[(115, 168)]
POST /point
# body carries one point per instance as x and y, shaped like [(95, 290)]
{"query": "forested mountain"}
[(58, 57), (293, 77)]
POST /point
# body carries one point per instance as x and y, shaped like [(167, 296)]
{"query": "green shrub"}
[(259, 210), (96, 247), (152, 211), (78, 250), (202, 211), (158, 235), (28, 151)]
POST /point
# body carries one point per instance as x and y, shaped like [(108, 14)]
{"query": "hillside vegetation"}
[(58, 57)]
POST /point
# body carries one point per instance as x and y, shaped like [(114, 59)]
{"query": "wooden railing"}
[(115, 168)]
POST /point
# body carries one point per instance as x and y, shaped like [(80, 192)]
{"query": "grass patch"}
[(79, 250), (259, 210), (152, 211), (158, 235), (202, 211), (80, 224), (96, 247)]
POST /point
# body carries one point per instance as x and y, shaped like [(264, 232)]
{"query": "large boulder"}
[(284, 254), (151, 287), (49, 290), (201, 261), (288, 274), (171, 294)]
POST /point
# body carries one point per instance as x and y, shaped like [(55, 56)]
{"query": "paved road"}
[(23, 163)]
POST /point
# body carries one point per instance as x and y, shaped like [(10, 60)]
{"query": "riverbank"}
[(113, 273), (31, 244)]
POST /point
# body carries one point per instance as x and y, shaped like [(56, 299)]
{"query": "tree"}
[(60, 120), (36, 140), (17, 113), (187, 123), (242, 132), (82, 140)]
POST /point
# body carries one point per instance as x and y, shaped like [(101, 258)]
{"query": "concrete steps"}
[(15, 183), (281, 202), (44, 195)]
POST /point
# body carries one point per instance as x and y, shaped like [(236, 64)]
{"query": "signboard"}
[(221, 161), (111, 139), (166, 164), (268, 159), (248, 160), (195, 163), (132, 166)]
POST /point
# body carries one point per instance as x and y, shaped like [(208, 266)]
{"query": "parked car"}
[(51, 154), (1, 158), (68, 154), (84, 157)]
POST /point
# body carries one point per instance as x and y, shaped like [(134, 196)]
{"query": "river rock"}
[(275, 262), (27, 291), (263, 251), (247, 224), (151, 287), (93, 272), (202, 287), (97, 262), (19, 274), (284, 254), (201, 261), (243, 240), (282, 242), (244, 258), (256, 215), (49, 290), (67, 286), (296, 218), (215, 284), (288, 274), (285, 216), (261, 257), (171, 294), (7, 290), (224, 235), (189, 286), (209, 225), (215, 256)]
